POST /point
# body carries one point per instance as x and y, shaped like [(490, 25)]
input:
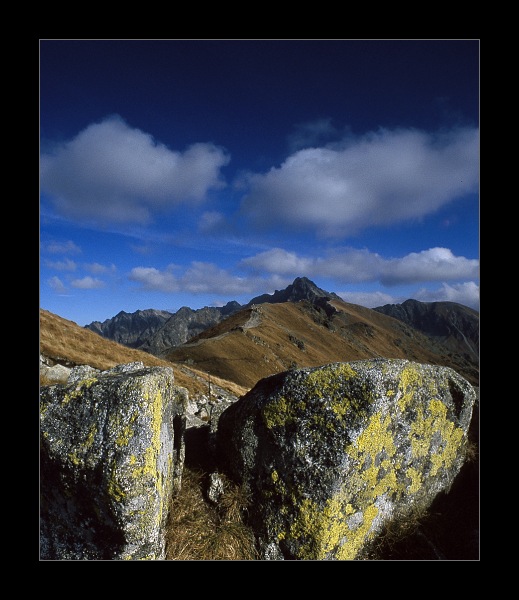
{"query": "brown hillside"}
[(65, 342), (269, 338)]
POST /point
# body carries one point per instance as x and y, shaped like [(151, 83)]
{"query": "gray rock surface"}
[(84, 372), (112, 453), (53, 372), (332, 455), (131, 329)]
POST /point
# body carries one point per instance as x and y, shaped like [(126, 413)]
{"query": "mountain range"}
[(300, 326)]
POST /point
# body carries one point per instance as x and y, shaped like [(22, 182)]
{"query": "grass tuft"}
[(198, 530)]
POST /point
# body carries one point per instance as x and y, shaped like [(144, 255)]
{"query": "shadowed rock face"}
[(301, 289), (331, 455), (457, 326), (131, 329), (112, 452)]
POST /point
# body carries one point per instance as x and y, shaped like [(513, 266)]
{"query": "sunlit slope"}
[(269, 338), (67, 343)]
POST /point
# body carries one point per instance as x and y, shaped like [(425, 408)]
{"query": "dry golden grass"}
[(65, 341), (198, 530), (288, 336), (394, 534)]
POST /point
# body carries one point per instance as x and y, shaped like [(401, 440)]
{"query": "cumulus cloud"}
[(379, 179), (151, 279), (87, 283), (280, 261), (466, 293), (207, 277), (112, 173), (203, 278), (61, 265), (275, 269), (212, 221), (57, 285), (98, 269), (62, 248), (435, 264), (350, 265), (368, 299)]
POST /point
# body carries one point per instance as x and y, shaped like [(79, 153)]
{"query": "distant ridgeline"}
[(450, 331), (156, 330)]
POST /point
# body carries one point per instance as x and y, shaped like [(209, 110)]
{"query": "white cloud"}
[(61, 265), (98, 269), (57, 285), (367, 299), (379, 179), (279, 261), (466, 293), (275, 269), (350, 265), (212, 221), (435, 264), (208, 278), (112, 173), (62, 247), (204, 278), (87, 283), (152, 279)]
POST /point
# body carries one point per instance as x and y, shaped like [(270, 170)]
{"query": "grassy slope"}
[(293, 335), (66, 342)]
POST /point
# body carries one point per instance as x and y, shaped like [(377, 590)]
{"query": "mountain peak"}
[(302, 288)]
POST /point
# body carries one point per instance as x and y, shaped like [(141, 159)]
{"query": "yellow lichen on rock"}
[(78, 392), (327, 531), (279, 412), (325, 382), (410, 379), (422, 434), (346, 450)]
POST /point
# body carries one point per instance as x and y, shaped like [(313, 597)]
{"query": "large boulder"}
[(112, 454), (332, 455)]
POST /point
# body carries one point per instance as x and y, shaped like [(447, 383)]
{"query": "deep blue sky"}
[(190, 173)]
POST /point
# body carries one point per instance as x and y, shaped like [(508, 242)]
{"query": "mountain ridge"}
[(268, 338), (450, 323), (164, 330)]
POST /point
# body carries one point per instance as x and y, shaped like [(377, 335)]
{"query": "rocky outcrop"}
[(185, 324), (301, 289), (112, 453), (131, 329), (332, 455)]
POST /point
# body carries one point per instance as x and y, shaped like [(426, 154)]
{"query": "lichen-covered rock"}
[(112, 453), (81, 372), (333, 454)]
